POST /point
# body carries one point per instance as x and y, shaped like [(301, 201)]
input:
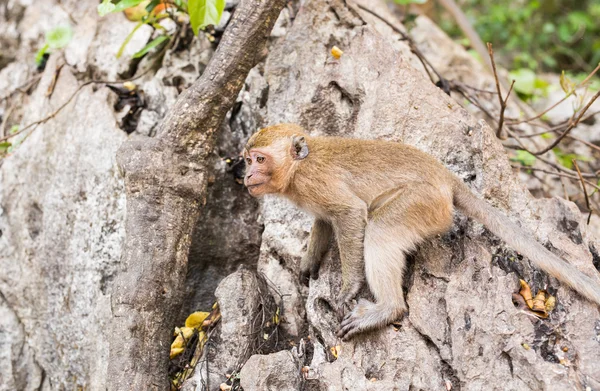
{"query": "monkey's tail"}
[(516, 237)]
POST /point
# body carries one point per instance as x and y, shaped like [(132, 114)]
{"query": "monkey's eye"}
[(260, 159), (248, 161)]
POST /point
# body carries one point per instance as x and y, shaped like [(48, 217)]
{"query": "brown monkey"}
[(380, 199)]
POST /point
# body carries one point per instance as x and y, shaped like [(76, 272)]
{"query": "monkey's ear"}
[(299, 147)]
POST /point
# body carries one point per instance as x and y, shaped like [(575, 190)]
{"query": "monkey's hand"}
[(309, 269)]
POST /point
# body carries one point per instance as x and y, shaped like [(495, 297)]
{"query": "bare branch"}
[(165, 182), (585, 193)]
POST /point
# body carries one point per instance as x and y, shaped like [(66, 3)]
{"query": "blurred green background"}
[(542, 35)]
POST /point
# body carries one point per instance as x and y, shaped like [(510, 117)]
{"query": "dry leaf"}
[(335, 350), (526, 293), (550, 303), (539, 302), (129, 85), (175, 352), (526, 346), (336, 52), (195, 319), (224, 387)]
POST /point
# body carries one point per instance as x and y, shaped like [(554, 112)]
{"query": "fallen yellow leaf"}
[(539, 302), (195, 319), (550, 303), (335, 350), (175, 352), (526, 293)]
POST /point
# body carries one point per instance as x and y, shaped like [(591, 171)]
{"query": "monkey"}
[(379, 199)]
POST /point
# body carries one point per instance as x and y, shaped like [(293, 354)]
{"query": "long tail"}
[(505, 229)]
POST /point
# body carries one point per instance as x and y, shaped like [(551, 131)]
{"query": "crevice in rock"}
[(505, 356), (545, 340), (448, 372), (593, 250)]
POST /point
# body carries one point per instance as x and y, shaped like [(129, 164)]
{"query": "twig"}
[(23, 87), (569, 128), (560, 101), (548, 162), (585, 193), (54, 113), (573, 177), (5, 120), (499, 132)]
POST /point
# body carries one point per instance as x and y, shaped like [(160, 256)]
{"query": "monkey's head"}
[(271, 157)]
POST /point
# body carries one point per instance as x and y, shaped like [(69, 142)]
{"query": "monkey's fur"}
[(380, 199)]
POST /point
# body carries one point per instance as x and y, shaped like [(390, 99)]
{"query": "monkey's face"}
[(260, 165), (271, 160)]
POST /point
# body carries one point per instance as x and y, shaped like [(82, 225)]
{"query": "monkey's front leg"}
[(320, 235), (349, 229)]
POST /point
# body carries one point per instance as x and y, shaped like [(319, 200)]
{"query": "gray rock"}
[(462, 323), (62, 235), (240, 296), (273, 372)]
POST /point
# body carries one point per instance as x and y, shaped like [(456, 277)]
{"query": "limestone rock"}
[(273, 372)]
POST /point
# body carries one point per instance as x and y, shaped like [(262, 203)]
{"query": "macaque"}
[(380, 200)]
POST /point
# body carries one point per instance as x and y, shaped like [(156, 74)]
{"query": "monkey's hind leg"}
[(385, 258), (396, 224)]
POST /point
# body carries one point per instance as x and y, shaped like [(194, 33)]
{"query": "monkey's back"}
[(371, 167)]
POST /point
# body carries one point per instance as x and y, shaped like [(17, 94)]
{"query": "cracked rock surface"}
[(62, 212), (462, 330)]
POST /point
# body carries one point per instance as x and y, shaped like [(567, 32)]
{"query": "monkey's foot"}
[(367, 316), (345, 298)]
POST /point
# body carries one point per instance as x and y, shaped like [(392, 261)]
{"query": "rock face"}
[(62, 213), (273, 372), (462, 330)]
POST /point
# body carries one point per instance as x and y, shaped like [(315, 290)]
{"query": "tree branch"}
[(165, 180)]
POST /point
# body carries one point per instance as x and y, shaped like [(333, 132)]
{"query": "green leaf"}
[(59, 37), (13, 129), (128, 38), (204, 13), (155, 42), (524, 157), (106, 7), (124, 4), (39, 57), (524, 80), (4, 146)]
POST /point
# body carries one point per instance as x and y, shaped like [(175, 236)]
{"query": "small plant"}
[(202, 13), (57, 38)]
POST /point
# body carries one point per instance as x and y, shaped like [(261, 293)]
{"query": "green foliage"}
[(407, 2), (544, 35), (524, 157), (566, 159), (57, 38), (527, 84), (39, 56), (105, 8), (204, 13), (154, 43)]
